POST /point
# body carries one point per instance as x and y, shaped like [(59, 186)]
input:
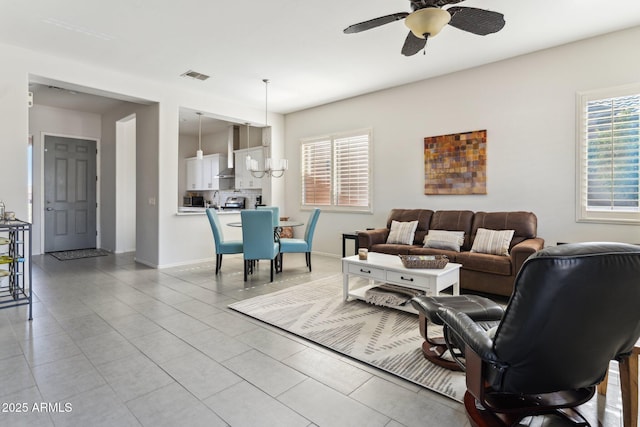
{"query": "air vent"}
[(195, 75)]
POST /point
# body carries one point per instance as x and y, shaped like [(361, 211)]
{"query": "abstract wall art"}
[(456, 163)]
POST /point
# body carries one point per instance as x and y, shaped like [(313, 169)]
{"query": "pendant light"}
[(272, 167), (248, 161), (199, 154)]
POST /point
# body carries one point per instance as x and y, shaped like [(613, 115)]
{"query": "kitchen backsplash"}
[(218, 197)]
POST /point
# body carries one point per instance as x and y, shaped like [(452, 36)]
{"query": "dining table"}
[(281, 224), (276, 230)]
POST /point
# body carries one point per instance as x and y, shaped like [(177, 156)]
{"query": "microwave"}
[(193, 201)]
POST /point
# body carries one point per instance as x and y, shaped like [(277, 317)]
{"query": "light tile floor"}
[(115, 343)]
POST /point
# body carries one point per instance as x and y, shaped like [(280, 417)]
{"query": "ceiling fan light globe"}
[(429, 21)]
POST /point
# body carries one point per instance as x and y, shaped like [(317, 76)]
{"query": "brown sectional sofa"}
[(481, 272)]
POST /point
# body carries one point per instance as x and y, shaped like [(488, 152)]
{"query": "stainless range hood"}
[(233, 143), (227, 173)]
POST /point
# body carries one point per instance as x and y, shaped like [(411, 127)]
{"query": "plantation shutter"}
[(351, 155), (612, 139), (336, 171), (316, 173)]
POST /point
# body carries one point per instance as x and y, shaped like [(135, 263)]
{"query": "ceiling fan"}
[(428, 18)]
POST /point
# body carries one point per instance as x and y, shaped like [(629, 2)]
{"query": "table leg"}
[(456, 288), (629, 385), (345, 286), (344, 246)]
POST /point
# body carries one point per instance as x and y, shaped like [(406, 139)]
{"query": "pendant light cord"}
[(247, 134), (199, 131), (266, 99), (199, 152)]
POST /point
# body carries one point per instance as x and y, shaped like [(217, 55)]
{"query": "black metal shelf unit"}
[(15, 265)]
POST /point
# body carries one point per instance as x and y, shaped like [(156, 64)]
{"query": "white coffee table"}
[(389, 269)]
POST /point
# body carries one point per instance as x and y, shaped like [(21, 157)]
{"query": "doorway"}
[(69, 193)]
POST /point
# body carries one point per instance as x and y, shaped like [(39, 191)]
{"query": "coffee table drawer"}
[(407, 279), (366, 271)]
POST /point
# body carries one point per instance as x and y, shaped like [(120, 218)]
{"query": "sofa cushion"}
[(494, 242), (524, 224), (493, 264), (402, 232), (423, 216), (441, 239), (454, 221)]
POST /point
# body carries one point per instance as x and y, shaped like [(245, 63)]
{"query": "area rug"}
[(78, 254), (386, 338)]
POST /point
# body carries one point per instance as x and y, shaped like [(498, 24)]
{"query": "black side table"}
[(352, 236)]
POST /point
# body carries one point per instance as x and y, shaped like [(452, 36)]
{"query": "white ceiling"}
[(298, 45)]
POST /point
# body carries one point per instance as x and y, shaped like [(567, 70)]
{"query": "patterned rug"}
[(386, 338), (78, 254)]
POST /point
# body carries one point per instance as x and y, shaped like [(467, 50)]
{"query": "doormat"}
[(78, 254), (386, 338)]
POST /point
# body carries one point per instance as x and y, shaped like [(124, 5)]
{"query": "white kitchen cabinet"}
[(202, 175), (244, 179), (194, 174)]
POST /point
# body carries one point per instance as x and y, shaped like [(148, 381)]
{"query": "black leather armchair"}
[(574, 308)]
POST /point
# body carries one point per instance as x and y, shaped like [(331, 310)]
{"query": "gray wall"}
[(147, 185), (527, 105)]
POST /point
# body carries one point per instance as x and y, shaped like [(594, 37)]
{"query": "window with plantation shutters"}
[(336, 171), (316, 173), (609, 155)]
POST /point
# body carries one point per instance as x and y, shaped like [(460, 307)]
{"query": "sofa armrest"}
[(368, 238), (522, 251)]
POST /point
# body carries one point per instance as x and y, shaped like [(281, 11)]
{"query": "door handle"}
[(50, 209)]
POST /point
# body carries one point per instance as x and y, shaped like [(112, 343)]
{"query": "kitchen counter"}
[(187, 211), (193, 222)]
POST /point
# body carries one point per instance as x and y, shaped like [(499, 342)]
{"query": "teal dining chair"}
[(301, 245), (257, 238), (222, 247), (276, 214), (276, 229)]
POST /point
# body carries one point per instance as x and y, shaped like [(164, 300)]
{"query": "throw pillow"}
[(494, 242), (441, 239), (402, 232)]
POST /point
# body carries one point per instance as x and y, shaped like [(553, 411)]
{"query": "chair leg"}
[(308, 256), (280, 259), (246, 266), (272, 270), (629, 386), (218, 262)]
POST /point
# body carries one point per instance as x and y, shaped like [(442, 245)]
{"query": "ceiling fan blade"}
[(413, 45), (420, 4), (476, 21), (373, 23)]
